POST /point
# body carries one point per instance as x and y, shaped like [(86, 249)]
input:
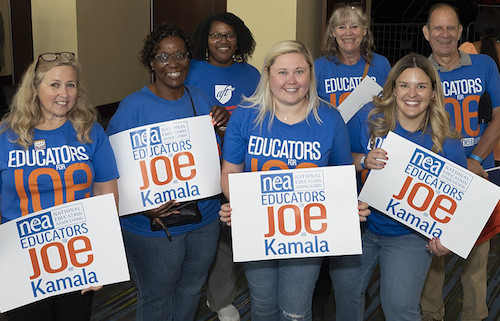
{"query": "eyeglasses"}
[(352, 5), (165, 59), (53, 56), (216, 37)]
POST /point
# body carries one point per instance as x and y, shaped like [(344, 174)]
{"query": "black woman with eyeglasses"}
[(222, 44), (169, 272), (49, 115)]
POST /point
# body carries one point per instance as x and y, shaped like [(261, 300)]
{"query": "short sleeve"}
[(235, 138)]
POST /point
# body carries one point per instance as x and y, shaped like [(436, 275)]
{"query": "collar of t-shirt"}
[(464, 61)]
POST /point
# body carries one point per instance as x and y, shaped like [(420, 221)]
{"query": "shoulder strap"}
[(190, 98), (365, 72)]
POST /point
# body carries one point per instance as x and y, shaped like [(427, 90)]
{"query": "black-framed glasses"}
[(216, 37), (53, 56), (165, 59), (353, 5)]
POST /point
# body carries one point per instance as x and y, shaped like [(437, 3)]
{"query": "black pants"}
[(70, 306)]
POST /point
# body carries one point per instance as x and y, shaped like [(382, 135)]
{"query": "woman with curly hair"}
[(222, 45), (348, 55), (412, 106), (52, 151), (169, 272)]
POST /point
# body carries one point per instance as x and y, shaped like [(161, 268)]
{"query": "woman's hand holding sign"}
[(436, 248), (225, 213), (164, 210), (92, 288), (220, 116), (375, 159), (363, 211)]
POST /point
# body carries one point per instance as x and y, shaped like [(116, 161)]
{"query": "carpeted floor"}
[(117, 302)]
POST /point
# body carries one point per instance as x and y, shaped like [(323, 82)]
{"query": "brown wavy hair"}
[(436, 121)]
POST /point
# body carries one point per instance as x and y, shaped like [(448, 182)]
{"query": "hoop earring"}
[(238, 58)]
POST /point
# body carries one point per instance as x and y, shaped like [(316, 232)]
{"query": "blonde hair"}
[(347, 13), (436, 121), (263, 98), (25, 111)]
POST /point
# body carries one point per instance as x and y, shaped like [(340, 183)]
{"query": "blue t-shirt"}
[(225, 86), (335, 81), (283, 146), (55, 170), (377, 222), (145, 108), (462, 88)]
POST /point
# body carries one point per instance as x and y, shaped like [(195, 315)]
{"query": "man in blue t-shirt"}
[(465, 78)]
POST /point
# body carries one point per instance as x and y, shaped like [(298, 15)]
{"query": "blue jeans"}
[(282, 289), (404, 262), (169, 275)]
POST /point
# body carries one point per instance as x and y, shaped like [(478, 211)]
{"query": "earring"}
[(206, 54), (238, 58)]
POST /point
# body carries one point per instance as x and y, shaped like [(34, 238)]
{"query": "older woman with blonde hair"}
[(412, 106), (348, 55), (348, 58), (61, 154)]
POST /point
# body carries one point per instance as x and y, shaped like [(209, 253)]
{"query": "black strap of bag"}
[(188, 211), (485, 108), (191, 99)]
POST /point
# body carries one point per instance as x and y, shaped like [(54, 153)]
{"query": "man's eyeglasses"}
[(53, 56), (165, 59), (216, 37)]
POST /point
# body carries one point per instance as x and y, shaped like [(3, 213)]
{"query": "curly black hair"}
[(246, 43), (152, 41)]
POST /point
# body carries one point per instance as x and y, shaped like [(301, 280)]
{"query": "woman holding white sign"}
[(52, 151), (411, 106), (347, 47), (222, 44), (169, 269), (284, 110)]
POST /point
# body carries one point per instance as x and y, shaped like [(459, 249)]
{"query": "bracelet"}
[(363, 161), (476, 158)]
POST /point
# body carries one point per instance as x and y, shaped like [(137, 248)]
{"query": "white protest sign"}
[(431, 194), (360, 96), (176, 159), (61, 249), (294, 213)]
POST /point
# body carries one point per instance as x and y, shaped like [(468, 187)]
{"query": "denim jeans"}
[(282, 289), (169, 275), (404, 262)]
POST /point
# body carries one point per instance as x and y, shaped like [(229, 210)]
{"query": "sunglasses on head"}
[(53, 56)]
